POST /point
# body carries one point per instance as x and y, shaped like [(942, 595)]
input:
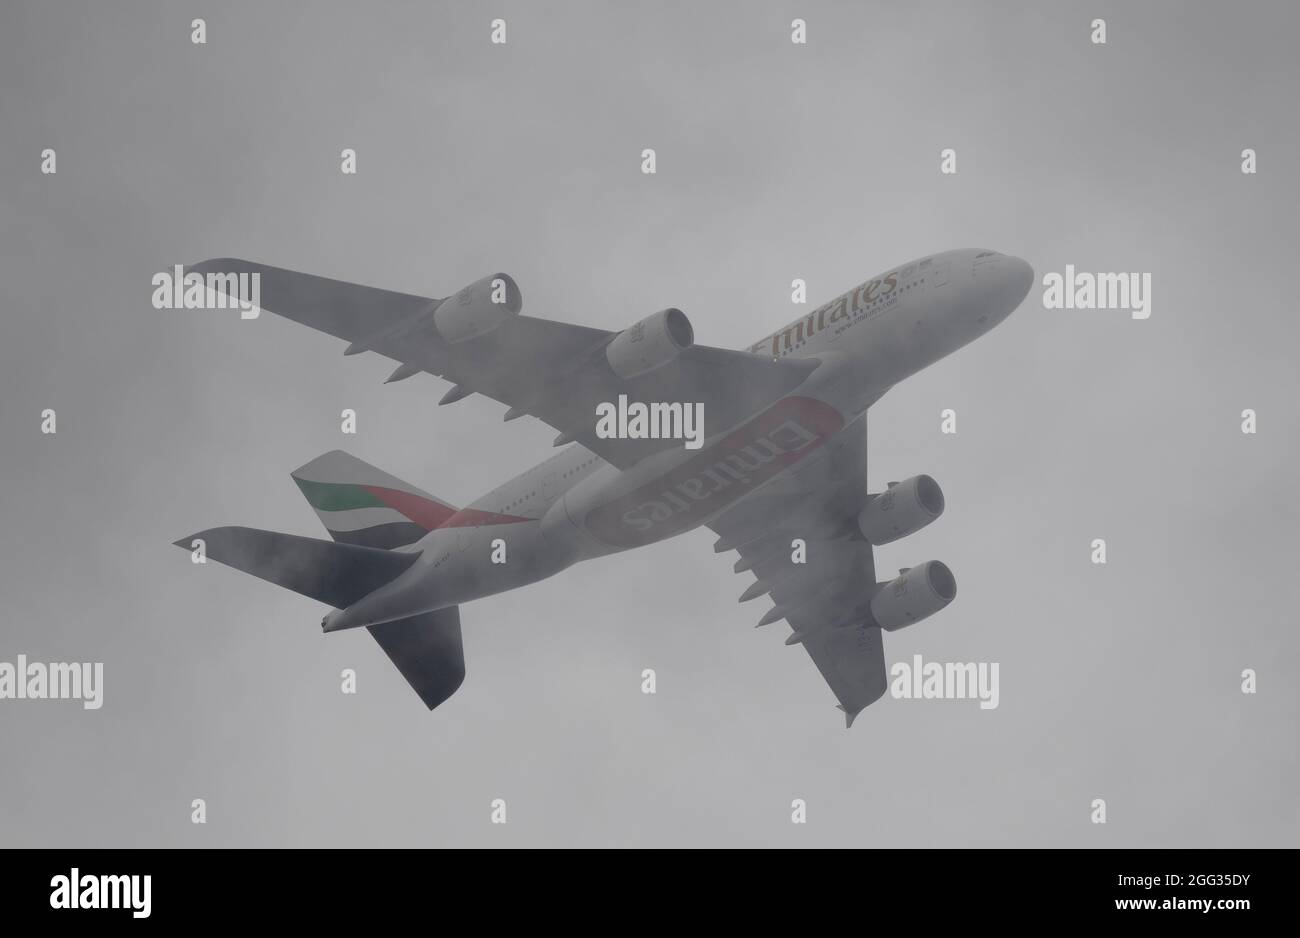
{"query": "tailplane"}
[(427, 650), (336, 574)]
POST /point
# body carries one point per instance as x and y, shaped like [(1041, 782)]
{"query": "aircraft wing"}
[(552, 370), (826, 600)]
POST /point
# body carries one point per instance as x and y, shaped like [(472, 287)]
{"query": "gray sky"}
[(775, 161)]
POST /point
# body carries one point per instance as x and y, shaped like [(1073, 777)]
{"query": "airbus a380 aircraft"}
[(783, 458)]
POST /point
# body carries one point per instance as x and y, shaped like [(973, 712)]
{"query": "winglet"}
[(849, 717)]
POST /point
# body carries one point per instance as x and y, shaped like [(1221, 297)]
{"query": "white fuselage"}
[(577, 506)]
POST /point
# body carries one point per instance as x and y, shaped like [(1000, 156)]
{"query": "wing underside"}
[(826, 598), (554, 371)]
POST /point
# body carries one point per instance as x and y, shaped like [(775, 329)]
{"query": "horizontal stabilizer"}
[(334, 573), (427, 650)]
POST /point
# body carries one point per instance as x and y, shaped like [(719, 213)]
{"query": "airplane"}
[(783, 460)]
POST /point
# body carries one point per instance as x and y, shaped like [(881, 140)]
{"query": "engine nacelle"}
[(478, 309), (650, 344), (918, 592), (903, 509)]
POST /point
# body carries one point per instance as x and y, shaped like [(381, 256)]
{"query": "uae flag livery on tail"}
[(359, 504)]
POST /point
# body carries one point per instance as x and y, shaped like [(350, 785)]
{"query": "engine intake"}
[(901, 510), (478, 309), (652, 343), (917, 593)]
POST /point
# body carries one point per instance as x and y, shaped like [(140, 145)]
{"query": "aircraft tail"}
[(367, 513), (360, 504)]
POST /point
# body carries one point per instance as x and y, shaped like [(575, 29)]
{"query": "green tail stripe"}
[(335, 496)]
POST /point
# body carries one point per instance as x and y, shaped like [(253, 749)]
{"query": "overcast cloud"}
[(775, 161)]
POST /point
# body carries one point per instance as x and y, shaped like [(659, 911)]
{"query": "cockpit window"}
[(987, 254)]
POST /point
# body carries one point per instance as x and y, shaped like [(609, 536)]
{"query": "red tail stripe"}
[(425, 512), (429, 514), (473, 517)]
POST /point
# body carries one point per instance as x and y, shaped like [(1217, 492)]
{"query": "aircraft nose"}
[(1018, 278), (1001, 283)]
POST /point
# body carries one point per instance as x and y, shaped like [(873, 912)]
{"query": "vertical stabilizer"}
[(360, 504)]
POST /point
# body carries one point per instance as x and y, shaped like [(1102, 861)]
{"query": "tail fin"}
[(362, 505)]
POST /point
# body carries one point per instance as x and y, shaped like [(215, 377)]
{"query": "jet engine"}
[(478, 309), (904, 508), (650, 344), (918, 592)]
